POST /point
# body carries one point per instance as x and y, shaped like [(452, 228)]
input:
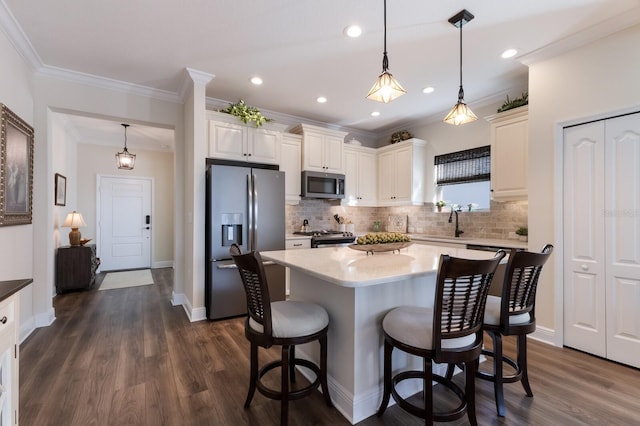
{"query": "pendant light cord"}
[(461, 91), (385, 60)]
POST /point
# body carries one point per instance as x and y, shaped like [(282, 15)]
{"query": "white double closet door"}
[(602, 238)]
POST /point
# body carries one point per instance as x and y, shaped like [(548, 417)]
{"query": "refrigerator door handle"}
[(254, 188), (251, 219)]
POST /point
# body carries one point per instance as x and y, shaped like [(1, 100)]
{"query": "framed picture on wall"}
[(61, 190), (16, 169)]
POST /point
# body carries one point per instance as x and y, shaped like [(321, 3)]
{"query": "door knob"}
[(584, 267)]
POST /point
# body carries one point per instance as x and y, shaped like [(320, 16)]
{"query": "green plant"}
[(523, 231), (246, 113), (400, 136), (440, 203), (514, 103)]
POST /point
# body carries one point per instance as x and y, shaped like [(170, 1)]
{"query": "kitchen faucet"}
[(458, 232)]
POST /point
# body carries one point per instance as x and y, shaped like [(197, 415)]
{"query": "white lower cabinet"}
[(601, 227), (9, 385), (294, 244)]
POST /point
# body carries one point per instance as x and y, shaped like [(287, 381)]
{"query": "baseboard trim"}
[(544, 335), (197, 314), (162, 264)]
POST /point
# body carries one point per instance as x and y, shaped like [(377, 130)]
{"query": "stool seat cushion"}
[(294, 319), (492, 313), (413, 326)]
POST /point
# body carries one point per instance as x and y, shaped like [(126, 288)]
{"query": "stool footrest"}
[(295, 394), (511, 378)]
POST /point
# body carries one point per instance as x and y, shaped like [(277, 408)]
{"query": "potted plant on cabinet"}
[(522, 233), (246, 113), (440, 204)]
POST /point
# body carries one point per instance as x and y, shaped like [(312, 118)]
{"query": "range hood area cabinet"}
[(322, 149), (230, 139), (509, 154), (361, 176), (402, 173)]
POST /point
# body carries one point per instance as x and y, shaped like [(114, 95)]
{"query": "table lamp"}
[(74, 221)]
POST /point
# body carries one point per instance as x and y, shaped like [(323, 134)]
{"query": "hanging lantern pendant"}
[(124, 159)]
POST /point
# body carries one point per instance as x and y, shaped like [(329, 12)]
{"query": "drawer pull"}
[(3, 319), (298, 245)]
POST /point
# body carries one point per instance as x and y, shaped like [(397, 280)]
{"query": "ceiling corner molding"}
[(581, 38), (195, 76), (18, 38), (107, 83)]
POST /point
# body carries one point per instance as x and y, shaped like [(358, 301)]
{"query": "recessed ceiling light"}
[(256, 80), (375, 113), (353, 31), (321, 99), (509, 53), (428, 90)]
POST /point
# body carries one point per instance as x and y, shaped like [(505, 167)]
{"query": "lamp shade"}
[(385, 89), (460, 114), (74, 220)]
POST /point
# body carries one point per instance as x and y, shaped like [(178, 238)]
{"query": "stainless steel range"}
[(324, 238)]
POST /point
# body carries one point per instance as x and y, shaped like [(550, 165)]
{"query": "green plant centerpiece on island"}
[(383, 238), (246, 113), (515, 103)]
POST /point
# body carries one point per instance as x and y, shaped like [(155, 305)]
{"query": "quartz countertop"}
[(352, 268), (488, 242), (8, 288)]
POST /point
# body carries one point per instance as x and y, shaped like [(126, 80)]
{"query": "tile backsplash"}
[(503, 218)]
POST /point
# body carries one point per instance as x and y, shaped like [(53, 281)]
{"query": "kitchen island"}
[(357, 290)]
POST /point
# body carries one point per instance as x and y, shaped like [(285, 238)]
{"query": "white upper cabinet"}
[(401, 173), (509, 154), (231, 140), (322, 149), (291, 165), (360, 176)]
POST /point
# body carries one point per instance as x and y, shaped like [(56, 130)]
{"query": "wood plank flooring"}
[(127, 357)]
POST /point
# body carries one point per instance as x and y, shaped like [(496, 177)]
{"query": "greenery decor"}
[(522, 231), (246, 113), (440, 203), (400, 136), (514, 103)]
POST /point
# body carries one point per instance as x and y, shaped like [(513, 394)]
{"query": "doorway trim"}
[(99, 179)]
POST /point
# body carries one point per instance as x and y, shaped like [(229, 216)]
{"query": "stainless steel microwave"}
[(322, 185)]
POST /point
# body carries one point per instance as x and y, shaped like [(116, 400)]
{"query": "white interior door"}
[(584, 262), (602, 238), (124, 234), (622, 218)]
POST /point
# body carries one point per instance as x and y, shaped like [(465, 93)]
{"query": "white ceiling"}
[(298, 48)]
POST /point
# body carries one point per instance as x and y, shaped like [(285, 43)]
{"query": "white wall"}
[(55, 95), (94, 160), (16, 242), (593, 81)]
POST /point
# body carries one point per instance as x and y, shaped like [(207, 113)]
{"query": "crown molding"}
[(581, 38), (18, 38), (107, 83)]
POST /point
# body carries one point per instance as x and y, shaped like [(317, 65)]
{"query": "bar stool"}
[(513, 314), (284, 324), (450, 333)]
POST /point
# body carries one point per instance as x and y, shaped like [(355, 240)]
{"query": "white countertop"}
[(489, 242), (352, 268)]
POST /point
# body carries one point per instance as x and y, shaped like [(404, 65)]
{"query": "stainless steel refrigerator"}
[(244, 205)]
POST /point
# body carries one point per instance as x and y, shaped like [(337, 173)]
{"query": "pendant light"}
[(386, 88), (124, 159), (461, 113)]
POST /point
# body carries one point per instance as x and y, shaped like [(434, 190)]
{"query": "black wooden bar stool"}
[(513, 314), (450, 333), (284, 324)]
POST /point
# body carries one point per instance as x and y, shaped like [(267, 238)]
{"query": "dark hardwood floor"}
[(127, 357)]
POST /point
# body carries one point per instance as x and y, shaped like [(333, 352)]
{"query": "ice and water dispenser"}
[(231, 229)]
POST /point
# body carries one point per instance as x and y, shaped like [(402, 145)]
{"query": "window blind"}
[(470, 165)]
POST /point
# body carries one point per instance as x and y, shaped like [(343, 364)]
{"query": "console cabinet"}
[(76, 268)]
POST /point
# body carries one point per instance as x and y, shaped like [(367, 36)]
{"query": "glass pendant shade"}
[(125, 160), (460, 113), (385, 89)]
